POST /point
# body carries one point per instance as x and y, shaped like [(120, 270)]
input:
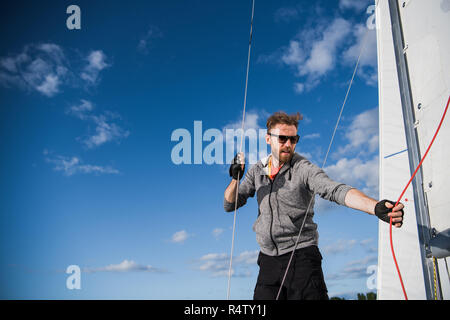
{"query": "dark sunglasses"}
[(283, 139)]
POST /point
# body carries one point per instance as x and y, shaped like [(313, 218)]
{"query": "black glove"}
[(381, 211), (236, 168)]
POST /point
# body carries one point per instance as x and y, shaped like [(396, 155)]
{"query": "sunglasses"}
[(283, 139)]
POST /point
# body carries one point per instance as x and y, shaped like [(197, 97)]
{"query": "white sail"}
[(425, 47)]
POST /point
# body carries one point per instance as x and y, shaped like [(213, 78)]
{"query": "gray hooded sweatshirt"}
[(282, 203)]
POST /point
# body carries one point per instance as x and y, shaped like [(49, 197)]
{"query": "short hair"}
[(282, 117)]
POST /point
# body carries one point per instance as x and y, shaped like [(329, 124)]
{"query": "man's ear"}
[(267, 138)]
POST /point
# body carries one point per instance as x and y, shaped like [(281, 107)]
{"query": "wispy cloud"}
[(46, 68), (217, 232), (356, 5), (125, 266), (217, 264), (81, 110), (362, 174), (358, 161), (41, 67), (70, 166), (254, 133), (146, 41), (367, 68), (325, 43), (180, 236), (96, 62), (106, 129), (339, 246), (347, 245), (362, 134), (356, 269), (286, 14), (313, 52), (311, 136)]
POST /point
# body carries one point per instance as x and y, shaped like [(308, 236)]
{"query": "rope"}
[(324, 161), (404, 190), (434, 278), (240, 150)]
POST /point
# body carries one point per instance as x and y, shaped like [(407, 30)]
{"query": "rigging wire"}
[(446, 267), (240, 150)]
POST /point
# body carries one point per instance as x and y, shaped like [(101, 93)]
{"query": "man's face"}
[(282, 151)]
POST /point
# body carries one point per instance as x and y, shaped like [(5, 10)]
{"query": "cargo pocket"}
[(316, 288)]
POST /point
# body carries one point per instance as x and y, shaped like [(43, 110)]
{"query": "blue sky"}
[(86, 122)]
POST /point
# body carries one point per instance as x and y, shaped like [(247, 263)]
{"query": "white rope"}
[(323, 164), (240, 150)]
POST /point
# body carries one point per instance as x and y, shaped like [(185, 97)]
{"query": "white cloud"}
[(313, 52), (49, 86), (293, 55), (286, 14), (38, 67), (96, 63), (81, 111), (106, 129), (311, 136), (323, 44), (339, 246), (322, 56), (367, 68), (357, 161), (345, 245), (364, 261), (362, 133), (252, 121), (299, 87), (217, 264), (124, 266), (44, 68), (217, 232), (74, 165), (180, 236), (356, 5), (145, 42), (357, 173), (254, 147), (355, 269)]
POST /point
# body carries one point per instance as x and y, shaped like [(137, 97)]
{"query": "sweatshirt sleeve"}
[(319, 182), (246, 190)]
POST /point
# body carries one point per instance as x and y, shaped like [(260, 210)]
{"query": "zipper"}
[(271, 215)]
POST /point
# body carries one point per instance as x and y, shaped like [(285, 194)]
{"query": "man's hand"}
[(384, 210), (237, 167)]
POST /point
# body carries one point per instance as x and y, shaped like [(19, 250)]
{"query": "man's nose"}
[(288, 143)]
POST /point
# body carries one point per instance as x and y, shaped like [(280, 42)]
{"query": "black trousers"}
[(304, 280)]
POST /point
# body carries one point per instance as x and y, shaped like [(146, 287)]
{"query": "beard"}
[(285, 155)]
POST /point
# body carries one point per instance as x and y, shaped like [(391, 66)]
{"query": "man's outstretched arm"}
[(356, 199)]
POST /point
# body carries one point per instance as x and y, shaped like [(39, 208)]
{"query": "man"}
[(285, 184)]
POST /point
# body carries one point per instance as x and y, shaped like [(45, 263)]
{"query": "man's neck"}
[(276, 162)]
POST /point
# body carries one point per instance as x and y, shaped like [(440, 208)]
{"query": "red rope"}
[(403, 192)]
